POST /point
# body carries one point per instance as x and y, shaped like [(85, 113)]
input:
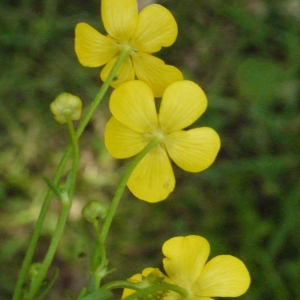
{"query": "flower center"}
[(159, 135), (126, 45)]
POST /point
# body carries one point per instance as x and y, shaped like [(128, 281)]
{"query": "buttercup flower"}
[(135, 123), (66, 103), (144, 33), (186, 265)]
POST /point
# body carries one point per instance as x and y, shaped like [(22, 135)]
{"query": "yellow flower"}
[(186, 266), (66, 103), (135, 123), (145, 33)]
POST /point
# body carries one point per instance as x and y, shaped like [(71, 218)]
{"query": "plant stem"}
[(122, 185), (73, 174), (66, 201), (123, 54), (37, 229), (157, 288), (40, 221), (123, 284), (111, 212)]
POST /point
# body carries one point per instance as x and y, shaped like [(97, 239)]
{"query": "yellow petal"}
[(156, 28), (223, 276), (154, 72), (92, 48), (120, 18), (182, 104), (127, 292), (193, 150), (185, 258), (125, 72), (153, 178), (122, 142), (175, 296), (149, 270), (132, 104)]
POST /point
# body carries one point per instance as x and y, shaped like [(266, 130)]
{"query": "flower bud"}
[(34, 270), (64, 104), (94, 210)]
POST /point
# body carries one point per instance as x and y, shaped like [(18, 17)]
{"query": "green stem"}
[(123, 54), (122, 185), (99, 250), (66, 201), (73, 174), (66, 205), (37, 229), (40, 221), (123, 284), (112, 209), (156, 288)]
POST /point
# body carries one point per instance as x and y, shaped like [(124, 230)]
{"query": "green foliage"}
[(245, 56)]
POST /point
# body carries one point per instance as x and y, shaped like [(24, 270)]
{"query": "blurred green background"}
[(245, 55)]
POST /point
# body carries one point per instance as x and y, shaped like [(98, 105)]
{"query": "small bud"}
[(94, 211), (34, 270), (66, 103)]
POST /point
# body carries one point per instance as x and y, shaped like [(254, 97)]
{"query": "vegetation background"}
[(245, 55)]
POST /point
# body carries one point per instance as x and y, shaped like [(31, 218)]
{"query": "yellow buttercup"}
[(141, 34)]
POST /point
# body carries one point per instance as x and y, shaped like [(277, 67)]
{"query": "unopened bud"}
[(66, 104), (34, 270), (94, 211)]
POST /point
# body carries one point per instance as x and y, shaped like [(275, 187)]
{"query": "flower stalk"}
[(157, 288), (60, 169), (100, 252), (65, 198)]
